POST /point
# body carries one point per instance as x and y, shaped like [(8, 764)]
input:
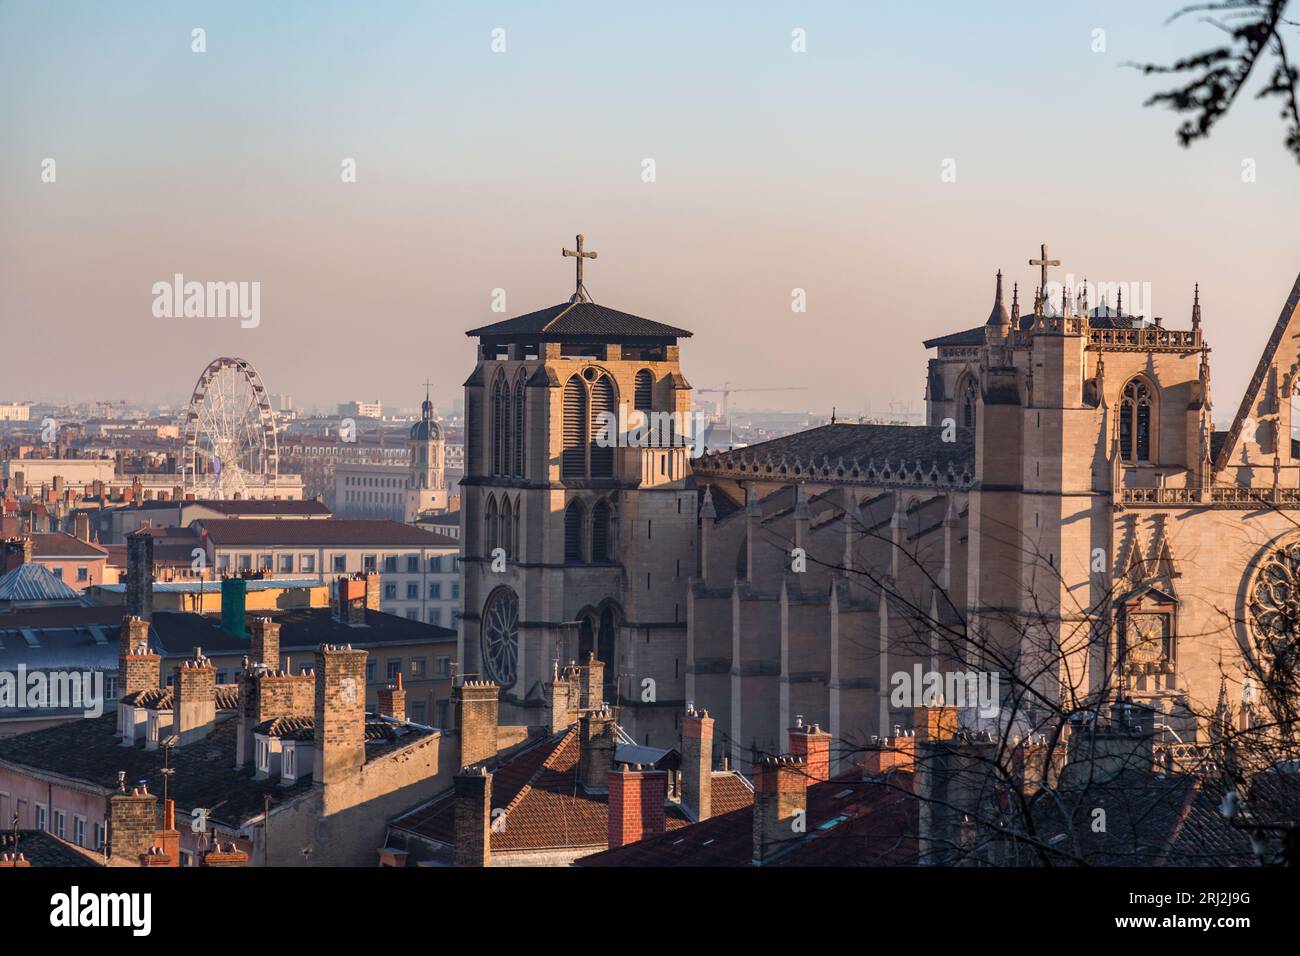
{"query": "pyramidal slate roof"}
[(580, 320), (34, 582)]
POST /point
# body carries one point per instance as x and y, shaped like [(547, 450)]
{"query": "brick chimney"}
[(225, 855), (194, 698), (564, 697), (132, 823), (935, 723), (636, 803), (697, 763), (373, 593), (264, 642), (596, 753), (81, 526), (340, 713), (392, 699), (139, 574), (473, 817), (780, 805), (166, 841), (266, 694), (889, 754), (812, 745), (477, 704), (351, 601), (16, 553), (591, 682), (133, 636)]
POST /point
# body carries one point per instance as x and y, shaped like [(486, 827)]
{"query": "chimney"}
[(697, 763), (392, 699), (266, 694), (596, 753), (780, 805), (591, 682), (166, 849), (812, 745), (139, 574), (936, 723), (889, 754), (340, 713), (81, 526), (477, 704), (473, 817), (636, 803), (264, 642), (132, 823), (17, 552), (234, 604), (194, 699), (564, 694), (225, 855), (352, 601), (372, 590)]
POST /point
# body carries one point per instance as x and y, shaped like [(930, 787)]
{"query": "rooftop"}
[(579, 320), (34, 582), (334, 532)]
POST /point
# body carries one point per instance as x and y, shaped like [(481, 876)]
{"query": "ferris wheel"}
[(230, 445)]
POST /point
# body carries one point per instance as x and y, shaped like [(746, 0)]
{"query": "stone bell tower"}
[(579, 514)]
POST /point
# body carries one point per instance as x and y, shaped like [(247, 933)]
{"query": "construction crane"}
[(726, 389)]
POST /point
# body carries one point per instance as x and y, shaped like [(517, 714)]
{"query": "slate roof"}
[(850, 822), (45, 849), (87, 750), (334, 532), (883, 443), (177, 633), (34, 582), (1150, 821), (260, 506), (579, 320), (545, 806)]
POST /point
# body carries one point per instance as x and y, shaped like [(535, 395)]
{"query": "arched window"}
[(507, 527), (514, 532), (603, 434), (606, 646), (498, 433), (967, 403), (573, 458), (490, 526), (519, 428), (1135, 421), (643, 401), (500, 637), (507, 432), (573, 532), (600, 532)]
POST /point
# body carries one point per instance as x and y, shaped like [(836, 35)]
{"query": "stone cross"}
[(1044, 262), (579, 255)]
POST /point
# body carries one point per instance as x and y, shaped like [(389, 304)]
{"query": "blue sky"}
[(775, 171)]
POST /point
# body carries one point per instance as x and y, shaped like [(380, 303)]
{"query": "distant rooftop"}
[(579, 320), (332, 533)]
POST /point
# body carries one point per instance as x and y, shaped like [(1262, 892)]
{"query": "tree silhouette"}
[(1216, 77)]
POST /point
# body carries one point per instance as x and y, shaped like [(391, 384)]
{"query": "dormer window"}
[(289, 762), (263, 755)]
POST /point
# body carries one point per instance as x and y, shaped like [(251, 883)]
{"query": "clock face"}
[(1146, 637)]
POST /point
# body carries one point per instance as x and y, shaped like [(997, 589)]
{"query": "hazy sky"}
[(775, 170)]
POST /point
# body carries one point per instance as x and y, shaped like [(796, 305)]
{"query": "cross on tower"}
[(1044, 262), (579, 295)]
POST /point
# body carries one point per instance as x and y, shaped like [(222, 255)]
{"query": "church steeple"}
[(1196, 308), (998, 317)]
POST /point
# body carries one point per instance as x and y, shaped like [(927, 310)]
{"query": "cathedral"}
[(1068, 523)]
